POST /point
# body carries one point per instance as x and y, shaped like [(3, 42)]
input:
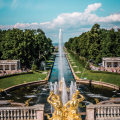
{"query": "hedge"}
[(105, 72), (4, 76), (83, 62)]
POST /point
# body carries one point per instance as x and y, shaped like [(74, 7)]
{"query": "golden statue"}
[(1, 90), (96, 100), (58, 106), (68, 89), (60, 87), (10, 101), (27, 102), (71, 113), (46, 78), (77, 78)]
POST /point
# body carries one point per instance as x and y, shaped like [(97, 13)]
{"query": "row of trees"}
[(96, 43), (24, 45)]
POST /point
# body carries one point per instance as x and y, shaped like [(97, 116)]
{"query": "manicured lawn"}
[(19, 79), (109, 78)]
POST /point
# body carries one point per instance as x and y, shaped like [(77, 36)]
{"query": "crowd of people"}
[(8, 72), (101, 68)]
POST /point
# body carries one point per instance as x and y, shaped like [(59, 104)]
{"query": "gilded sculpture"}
[(27, 102), (77, 78), (96, 100), (58, 106), (1, 90), (71, 112), (60, 87)]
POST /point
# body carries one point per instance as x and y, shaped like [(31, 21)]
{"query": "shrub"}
[(10, 75), (105, 72), (34, 67), (81, 60)]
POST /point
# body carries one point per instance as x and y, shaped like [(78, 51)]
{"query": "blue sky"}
[(72, 16)]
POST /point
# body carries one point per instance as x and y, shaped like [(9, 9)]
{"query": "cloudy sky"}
[(72, 16)]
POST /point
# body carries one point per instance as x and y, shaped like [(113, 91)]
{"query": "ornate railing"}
[(22, 113), (103, 112), (109, 111)]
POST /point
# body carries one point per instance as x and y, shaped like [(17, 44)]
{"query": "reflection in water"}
[(39, 93)]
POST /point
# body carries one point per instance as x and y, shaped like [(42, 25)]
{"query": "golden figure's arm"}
[(58, 97), (48, 99), (82, 97), (66, 105)]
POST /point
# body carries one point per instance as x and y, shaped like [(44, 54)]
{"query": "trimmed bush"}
[(34, 67), (10, 75), (105, 72), (81, 60)]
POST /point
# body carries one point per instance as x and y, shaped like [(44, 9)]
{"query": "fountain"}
[(61, 79), (60, 91), (73, 87), (43, 66), (69, 113), (60, 56), (61, 76), (60, 87)]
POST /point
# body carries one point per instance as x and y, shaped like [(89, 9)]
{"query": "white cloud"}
[(92, 7), (111, 18), (44, 23), (34, 23), (72, 21), (115, 27), (23, 25), (76, 22), (101, 9)]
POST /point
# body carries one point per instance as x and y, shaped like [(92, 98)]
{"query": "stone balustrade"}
[(93, 82), (22, 113), (103, 112)]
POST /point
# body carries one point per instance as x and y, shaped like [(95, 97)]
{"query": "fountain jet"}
[(60, 55)]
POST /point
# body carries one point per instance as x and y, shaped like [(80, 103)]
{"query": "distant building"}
[(9, 64), (111, 62)]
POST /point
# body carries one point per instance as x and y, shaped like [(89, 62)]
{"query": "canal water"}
[(67, 74)]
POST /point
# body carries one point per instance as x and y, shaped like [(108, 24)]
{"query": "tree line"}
[(96, 43), (25, 45)]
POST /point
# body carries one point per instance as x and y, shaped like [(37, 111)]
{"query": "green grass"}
[(9, 81), (109, 78), (49, 65), (49, 61), (19, 79)]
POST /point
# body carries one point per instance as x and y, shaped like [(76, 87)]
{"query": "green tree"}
[(96, 43), (24, 45)]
